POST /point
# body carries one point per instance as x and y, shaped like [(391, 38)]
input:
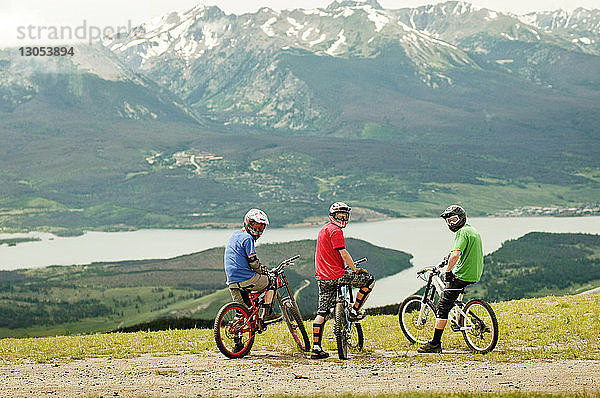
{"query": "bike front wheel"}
[(340, 329), (417, 319), (293, 319), (480, 329), (356, 339), (233, 330)]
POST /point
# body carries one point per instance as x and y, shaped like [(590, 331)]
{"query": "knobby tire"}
[(233, 330), (408, 315), (295, 324), (341, 331)]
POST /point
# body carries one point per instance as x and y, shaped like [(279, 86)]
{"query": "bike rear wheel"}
[(341, 331), (416, 330), (480, 330), (233, 330), (293, 319)]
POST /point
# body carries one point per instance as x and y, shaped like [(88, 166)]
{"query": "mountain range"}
[(192, 116)]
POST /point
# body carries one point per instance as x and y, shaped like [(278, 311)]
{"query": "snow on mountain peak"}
[(354, 3)]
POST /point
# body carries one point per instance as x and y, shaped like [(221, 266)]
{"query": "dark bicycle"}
[(348, 334), (236, 325), (475, 318)]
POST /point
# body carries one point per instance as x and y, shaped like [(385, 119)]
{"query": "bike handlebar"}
[(433, 267), (289, 260), (284, 263), (360, 260), (427, 269)]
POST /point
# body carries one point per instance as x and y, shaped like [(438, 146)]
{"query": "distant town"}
[(587, 209)]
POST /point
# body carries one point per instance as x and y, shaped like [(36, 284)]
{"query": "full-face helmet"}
[(255, 222), (339, 214), (455, 217)]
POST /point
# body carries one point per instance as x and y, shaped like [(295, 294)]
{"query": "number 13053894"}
[(46, 51)]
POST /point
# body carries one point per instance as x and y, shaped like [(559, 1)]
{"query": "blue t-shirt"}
[(239, 248)]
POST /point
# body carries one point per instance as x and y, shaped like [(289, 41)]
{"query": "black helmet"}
[(450, 212)]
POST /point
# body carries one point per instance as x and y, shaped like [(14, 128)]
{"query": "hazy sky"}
[(15, 13)]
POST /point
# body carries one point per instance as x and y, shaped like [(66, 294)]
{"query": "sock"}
[(437, 336)]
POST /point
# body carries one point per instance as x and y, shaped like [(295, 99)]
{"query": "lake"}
[(427, 239)]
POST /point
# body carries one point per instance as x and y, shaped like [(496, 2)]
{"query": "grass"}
[(548, 328)]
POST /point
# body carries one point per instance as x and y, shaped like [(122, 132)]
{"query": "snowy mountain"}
[(232, 67), (252, 69), (328, 69), (196, 115)]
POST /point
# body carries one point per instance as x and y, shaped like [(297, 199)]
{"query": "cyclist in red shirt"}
[(331, 259)]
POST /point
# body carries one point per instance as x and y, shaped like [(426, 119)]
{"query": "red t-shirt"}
[(328, 261)]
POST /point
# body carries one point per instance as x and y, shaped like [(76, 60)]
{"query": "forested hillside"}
[(105, 296), (540, 264)]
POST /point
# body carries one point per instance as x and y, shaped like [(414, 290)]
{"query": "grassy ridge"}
[(105, 296), (542, 328)]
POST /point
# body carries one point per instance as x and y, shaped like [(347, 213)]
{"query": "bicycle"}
[(348, 335), (475, 319), (236, 325)]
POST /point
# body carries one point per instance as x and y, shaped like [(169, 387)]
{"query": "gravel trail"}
[(266, 373)]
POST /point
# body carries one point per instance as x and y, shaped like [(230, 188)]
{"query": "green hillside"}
[(105, 296), (539, 264), (92, 174), (549, 328)]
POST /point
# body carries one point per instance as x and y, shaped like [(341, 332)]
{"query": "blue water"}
[(427, 239)]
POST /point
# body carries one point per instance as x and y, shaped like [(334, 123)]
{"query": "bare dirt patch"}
[(266, 373)]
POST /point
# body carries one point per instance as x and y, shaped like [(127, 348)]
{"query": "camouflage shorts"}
[(328, 289)]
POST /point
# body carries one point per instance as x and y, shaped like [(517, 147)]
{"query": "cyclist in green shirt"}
[(464, 267)]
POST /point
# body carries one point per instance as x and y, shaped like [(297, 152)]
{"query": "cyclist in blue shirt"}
[(244, 270)]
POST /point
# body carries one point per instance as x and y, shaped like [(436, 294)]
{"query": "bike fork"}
[(421, 313)]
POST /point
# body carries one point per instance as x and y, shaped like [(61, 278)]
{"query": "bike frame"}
[(347, 299), (254, 297), (433, 280), (281, 282)]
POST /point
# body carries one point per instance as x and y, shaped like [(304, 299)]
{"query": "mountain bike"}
[(236, 325), (348, 335), (475, 319)]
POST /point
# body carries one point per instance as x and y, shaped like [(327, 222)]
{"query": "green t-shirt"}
[(470, 264)]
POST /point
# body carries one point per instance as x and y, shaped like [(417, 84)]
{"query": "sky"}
[(114, 13)]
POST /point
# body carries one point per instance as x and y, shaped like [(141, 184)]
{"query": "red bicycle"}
[(236, 325)]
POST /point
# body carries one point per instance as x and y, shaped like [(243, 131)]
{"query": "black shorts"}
[(449, 296), (328, 289)]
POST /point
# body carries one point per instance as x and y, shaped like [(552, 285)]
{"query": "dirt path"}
[(266, 373)]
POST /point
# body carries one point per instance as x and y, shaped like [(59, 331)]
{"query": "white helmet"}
[(339, 214), (255, 222)]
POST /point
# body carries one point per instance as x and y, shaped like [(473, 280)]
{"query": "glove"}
[(444, 262), (264, 270), (448, 277)]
